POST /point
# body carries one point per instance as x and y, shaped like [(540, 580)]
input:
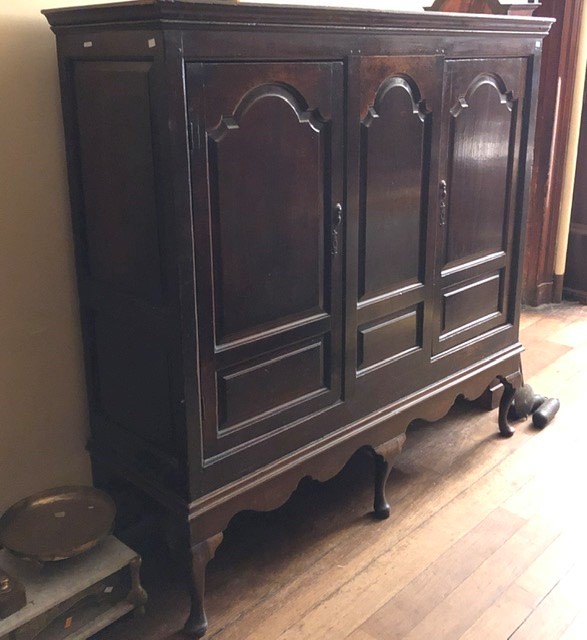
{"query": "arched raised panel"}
[(395, 161), (482, 136), (274, 90), (272, 200)]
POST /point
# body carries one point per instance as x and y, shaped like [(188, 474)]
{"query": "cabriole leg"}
[(138, 596), (202, 553), (384, 457), (509, 391)]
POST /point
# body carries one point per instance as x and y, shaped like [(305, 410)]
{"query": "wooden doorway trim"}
[(552, 137)]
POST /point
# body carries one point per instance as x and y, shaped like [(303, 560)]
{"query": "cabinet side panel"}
[(118, 175), (115, 153), (133, 379)]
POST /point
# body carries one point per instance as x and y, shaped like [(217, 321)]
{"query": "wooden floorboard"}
[(557, 611), (359, 634), (485, 541), (430, 588), (468, 601), (578, 628)]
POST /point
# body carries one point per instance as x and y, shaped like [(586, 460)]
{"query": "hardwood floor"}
[(485, 541)]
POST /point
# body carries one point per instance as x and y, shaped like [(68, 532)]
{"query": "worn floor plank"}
[(557, 611), (460, 610), (395, 619)]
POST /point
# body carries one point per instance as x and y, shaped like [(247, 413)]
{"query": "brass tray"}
[(57, 524)]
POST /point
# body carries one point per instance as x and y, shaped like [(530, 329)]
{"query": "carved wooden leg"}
[(202, 553), (384, 457), (505, 427), (138, 596)]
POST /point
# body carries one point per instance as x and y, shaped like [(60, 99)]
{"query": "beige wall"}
[(43, 415)]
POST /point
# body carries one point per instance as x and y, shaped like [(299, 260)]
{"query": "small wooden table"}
[(74, 599)]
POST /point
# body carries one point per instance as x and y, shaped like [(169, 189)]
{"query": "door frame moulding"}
[(555, 107)]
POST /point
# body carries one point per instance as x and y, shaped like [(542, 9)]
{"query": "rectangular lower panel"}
[(471, 302), (270, 384), (389, 337)]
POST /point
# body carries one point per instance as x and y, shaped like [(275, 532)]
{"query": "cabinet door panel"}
[(482, 115), (389, 338), (399, 96), (267, 229), (267, 177), (469, 302), (481, 138), (394, 134), (270, 383)]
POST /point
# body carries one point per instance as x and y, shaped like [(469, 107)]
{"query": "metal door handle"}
[(336, 222), (442, 198)]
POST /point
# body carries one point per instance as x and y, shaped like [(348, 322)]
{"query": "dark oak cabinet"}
[(297, 230)]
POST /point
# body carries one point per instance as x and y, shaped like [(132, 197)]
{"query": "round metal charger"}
[(57, 524)]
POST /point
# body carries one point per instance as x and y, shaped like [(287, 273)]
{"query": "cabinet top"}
[(171, 13)]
